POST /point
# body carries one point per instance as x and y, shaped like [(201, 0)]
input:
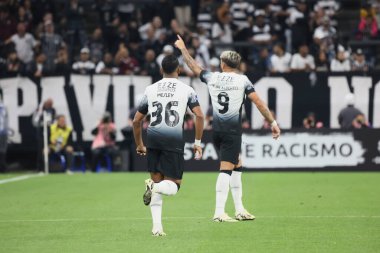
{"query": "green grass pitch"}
[(296, 212)]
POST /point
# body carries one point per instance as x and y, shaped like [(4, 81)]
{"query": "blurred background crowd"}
[(43, 38)]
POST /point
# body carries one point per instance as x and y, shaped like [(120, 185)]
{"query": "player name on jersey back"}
[(166, 89)]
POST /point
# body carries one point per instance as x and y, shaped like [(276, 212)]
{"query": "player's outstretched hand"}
[(276, 132), (180, 44), (197, 152), (141, 150)]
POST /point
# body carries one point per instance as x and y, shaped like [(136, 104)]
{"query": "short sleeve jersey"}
[(227, 91), (166, 102)]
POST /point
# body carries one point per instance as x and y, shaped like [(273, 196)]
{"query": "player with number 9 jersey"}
[(227, 92)]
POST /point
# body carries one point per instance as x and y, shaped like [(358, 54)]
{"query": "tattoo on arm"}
[(191, 62)]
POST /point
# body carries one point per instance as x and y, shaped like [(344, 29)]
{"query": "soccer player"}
[(166, 102), (228, 90)]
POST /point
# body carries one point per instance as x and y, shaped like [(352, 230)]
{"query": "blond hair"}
[(231, 58)]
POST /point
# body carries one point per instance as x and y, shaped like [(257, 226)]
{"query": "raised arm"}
[(264, 110), (191, 63)]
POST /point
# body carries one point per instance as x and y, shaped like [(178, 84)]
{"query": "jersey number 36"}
[(171, 116)]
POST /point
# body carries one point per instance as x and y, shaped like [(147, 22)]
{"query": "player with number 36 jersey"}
[(166, 101)]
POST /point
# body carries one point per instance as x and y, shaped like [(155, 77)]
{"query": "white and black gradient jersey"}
[(166, 102), (227, 91)]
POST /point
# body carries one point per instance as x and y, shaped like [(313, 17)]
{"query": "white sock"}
[(165, 187), (156, 210), (237, 190), (222, 188)]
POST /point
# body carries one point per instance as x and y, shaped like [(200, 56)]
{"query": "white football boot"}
[(158, 233), (223, 218), (244, 215), (147, 197)]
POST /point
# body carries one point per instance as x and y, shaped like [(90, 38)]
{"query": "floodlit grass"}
[(296, 212)]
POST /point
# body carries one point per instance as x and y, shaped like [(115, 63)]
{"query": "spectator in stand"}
[(182, 10), (277, 13), (122, 36), (351, 117), (156, 25), (367, 28), (222, 29), (108, 19), (7, 24), (205, 17), (175, 29), (62, 66), (39, 67), (127, 64), (202, 54), (375, 6), (74, 20), (214, 65), (340, 63), (151, 67), (261, 31), (13, 66), (299, 24), (96, 45), (84, 66), (61, 141), (261, 65), (330, 7), (280, 60), (167, 50), (24, 17), (125, 10), (104, 142), (150, 43), (311, 122), (241, 11), (302, 61), (322, 61), (106, 66), (24, 43), (324, 37), (359, 62), (50, 44)]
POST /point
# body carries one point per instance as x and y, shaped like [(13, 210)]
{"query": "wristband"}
[(197, 142), (274, 123)]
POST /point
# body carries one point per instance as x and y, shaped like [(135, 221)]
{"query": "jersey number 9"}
[(223, 100)]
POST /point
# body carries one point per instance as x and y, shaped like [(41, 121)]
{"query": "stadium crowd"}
[(42, 38)]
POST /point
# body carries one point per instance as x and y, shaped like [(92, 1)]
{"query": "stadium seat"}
[(79, 163), (108, 160), (57, 159)]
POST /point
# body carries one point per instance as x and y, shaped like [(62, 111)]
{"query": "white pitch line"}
[(19, 178), (177, 218)]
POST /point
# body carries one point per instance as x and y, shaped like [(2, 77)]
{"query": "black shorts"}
[(228, 146), (168, 163)]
